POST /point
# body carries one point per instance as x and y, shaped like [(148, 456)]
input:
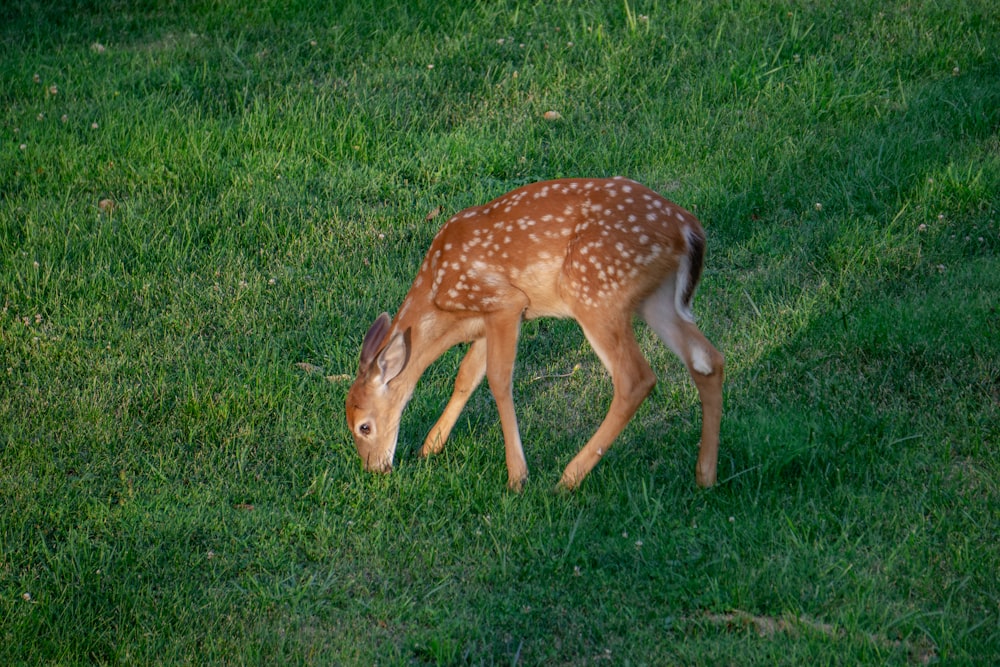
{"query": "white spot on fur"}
[(700, 361), (427, 321)]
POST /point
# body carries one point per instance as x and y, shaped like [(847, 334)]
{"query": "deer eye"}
[(365, 429)]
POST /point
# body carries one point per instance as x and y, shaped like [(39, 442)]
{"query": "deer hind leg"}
[(614, 342), (704, 363), (470, 374)]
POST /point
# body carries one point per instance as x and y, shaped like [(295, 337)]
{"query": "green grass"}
[(176, 489)]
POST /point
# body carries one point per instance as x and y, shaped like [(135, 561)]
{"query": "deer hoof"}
[(517, 485)]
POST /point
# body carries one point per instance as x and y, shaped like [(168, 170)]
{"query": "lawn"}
[(204, 205)]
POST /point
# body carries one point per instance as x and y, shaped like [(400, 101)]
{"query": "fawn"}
[(595, 250)]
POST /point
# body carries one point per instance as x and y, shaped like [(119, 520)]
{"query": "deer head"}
[(375, 402)]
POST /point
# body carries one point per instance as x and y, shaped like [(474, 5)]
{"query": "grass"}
[(177, 488)]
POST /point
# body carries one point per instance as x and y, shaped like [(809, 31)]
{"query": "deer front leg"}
[(502, 330), (470, 374)]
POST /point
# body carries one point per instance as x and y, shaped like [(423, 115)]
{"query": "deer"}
[(599, 251)]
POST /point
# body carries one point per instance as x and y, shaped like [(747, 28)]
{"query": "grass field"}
[(203, 205)]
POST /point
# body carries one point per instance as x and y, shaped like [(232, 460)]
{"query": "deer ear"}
[(393, 358), (373, 339)]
